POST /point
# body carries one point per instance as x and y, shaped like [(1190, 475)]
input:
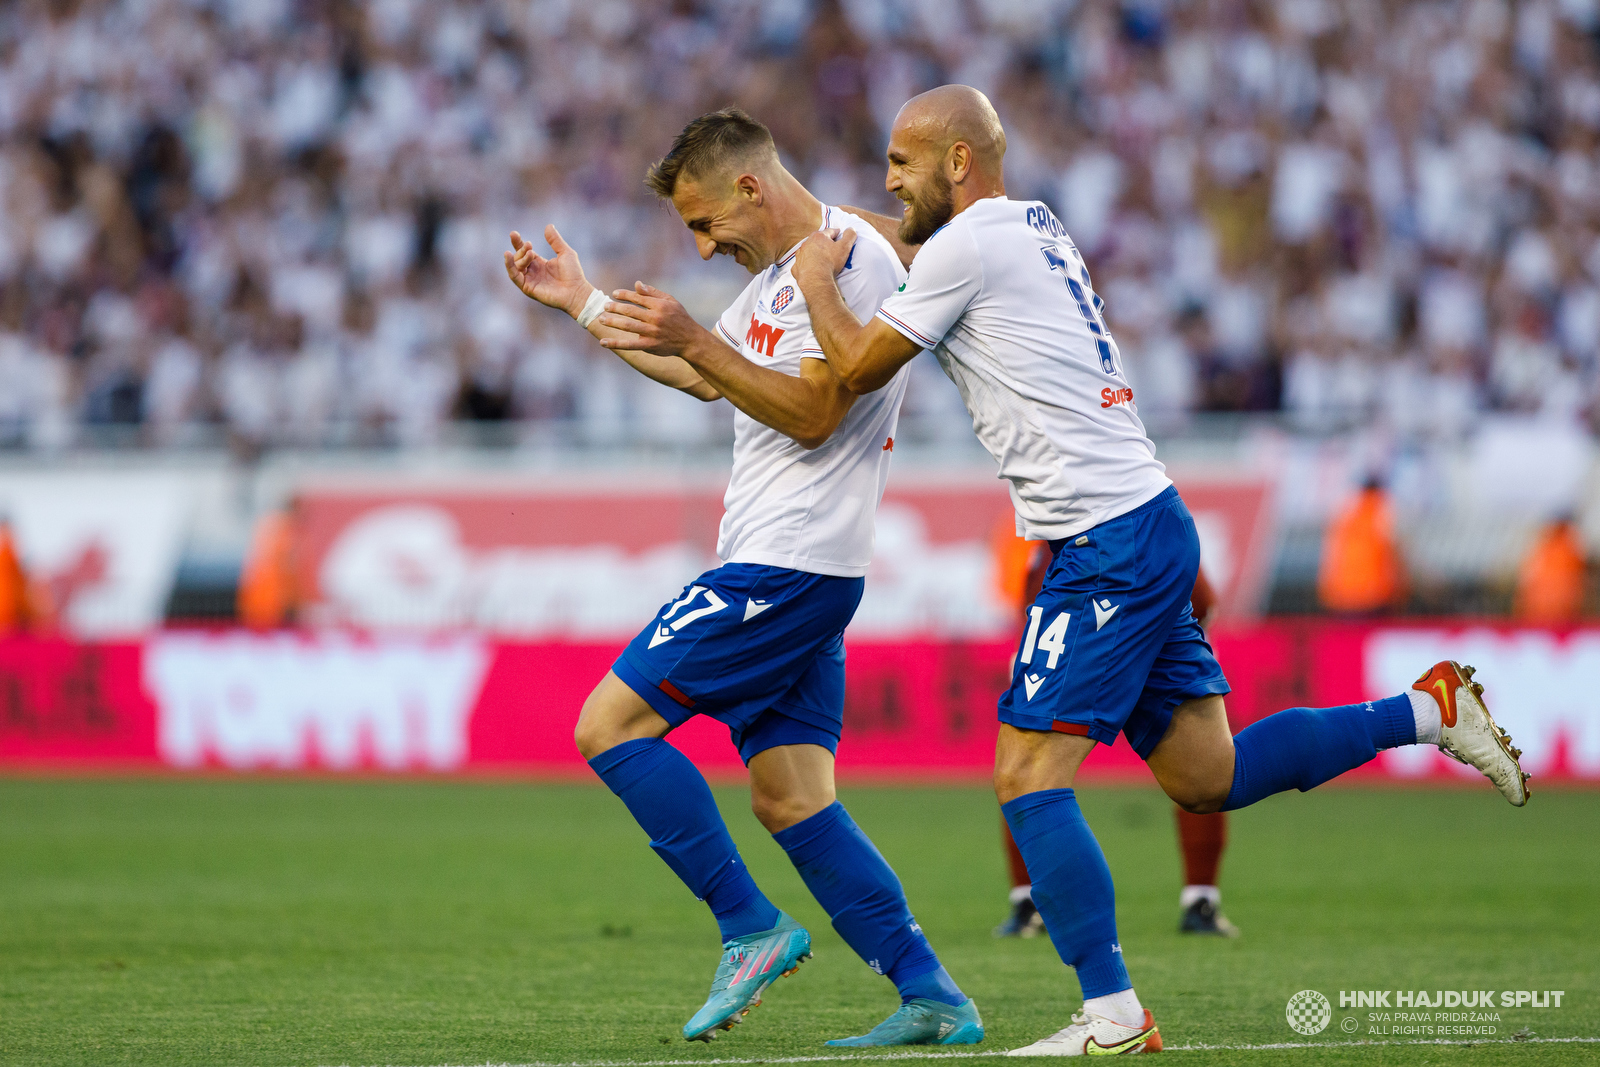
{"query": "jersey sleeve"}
[(869, 278), (945, 278), (736, 320)]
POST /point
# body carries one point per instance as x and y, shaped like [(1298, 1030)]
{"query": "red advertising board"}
[(337, 701), (61, 701)]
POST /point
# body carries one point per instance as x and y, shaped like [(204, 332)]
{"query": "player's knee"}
[(1017, 777), (1027, 761), (1198, 793), (1200, 803), (768, 810), (777, 813), (588, 737), (595, 733), (1010, 781)]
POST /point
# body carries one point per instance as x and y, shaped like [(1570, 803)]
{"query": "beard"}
[(930, 210)]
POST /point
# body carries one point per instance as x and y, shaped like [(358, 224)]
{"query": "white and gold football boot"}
[(1467, 732)]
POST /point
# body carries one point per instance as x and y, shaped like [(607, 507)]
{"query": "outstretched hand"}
[(823, 255), (655, 321), (556, 282)]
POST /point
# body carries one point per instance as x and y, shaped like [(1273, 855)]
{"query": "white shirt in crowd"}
[(809, 509), (1003, 297)]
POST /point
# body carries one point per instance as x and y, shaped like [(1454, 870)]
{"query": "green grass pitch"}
[(288, 923)]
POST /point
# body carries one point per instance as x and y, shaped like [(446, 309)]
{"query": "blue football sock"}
[(671, 800), (1071, 886), (931, 985), (853, 883), (1303, 747)]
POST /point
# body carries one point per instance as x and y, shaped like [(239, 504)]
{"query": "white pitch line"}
[(1202, 1047), (882, 1056)]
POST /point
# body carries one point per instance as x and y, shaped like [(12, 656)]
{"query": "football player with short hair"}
[(758, 643)]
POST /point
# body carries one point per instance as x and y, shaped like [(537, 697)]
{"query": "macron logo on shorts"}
[(752, 608), (1032, 682), (1103, 610)]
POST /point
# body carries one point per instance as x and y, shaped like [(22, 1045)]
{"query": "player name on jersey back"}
[(1002, 296), (788, 506)]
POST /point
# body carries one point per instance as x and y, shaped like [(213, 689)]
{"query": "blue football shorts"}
[(760, 649), (1110, 643)]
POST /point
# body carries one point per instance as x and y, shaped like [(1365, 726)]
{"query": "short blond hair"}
[(709, 144)]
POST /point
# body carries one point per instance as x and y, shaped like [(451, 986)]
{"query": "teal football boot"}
[(923, 1022), (749, 964)]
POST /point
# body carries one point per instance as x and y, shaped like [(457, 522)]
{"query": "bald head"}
[(956, 113), (945, 152)]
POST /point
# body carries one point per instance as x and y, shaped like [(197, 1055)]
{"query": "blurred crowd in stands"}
[(280, 220)]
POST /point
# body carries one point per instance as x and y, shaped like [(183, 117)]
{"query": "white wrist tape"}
[(592, 308)]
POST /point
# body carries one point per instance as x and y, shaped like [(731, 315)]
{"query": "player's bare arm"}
[(807, 408), (864, 357), (559, 282), (889, 227)]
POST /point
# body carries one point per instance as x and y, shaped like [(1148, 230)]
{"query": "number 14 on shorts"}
[(1052, 641)]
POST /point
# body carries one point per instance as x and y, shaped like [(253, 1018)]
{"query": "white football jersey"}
[(1002, 295), (787, 506)]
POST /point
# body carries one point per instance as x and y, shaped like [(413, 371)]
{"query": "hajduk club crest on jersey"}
[(781, 298)]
